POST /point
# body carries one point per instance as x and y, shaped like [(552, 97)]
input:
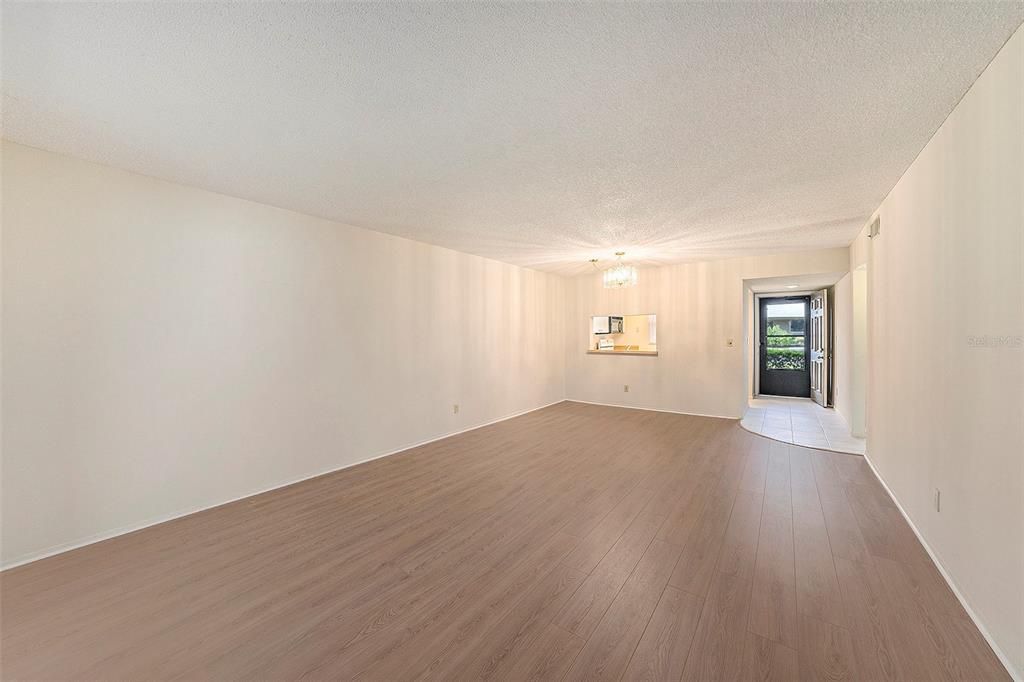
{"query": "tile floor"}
[(801, 421)]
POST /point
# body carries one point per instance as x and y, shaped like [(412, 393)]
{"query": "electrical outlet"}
[(455, 408), (938, 500), (625, 389)]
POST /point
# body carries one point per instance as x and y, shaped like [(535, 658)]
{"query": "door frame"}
[(786, 297), (754, 331)]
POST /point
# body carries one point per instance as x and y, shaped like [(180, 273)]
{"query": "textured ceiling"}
[(536, 134)]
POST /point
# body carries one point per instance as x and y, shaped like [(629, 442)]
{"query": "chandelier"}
[(619, 275)]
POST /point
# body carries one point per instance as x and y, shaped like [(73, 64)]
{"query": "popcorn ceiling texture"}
[(539, 135)]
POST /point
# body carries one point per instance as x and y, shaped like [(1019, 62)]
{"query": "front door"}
[(785, 347), (819, 358)]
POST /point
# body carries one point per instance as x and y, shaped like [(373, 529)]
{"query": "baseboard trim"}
[(124, 530), (1017, 675), (649, 409)]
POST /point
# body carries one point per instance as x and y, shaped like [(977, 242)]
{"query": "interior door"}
[(785, 345), (819, 355)]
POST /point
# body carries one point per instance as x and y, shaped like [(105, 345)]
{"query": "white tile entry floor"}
[(801, 421)]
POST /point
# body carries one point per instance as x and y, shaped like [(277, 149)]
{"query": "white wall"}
[(842, 347), (167, 348), (850, 349), (946, 399), (699, 306), (857, 418)]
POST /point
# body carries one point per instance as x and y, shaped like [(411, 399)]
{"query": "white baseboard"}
[(1017, 675), (107, 535), (648, 409)]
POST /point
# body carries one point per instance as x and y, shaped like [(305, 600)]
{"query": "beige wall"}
[(167, 348), (946, 393), (699, 307)]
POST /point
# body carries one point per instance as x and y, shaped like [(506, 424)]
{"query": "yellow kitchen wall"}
[(635, 332)]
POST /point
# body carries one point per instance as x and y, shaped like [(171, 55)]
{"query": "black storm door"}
[(785, 347)]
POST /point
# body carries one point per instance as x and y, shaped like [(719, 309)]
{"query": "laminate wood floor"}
[(577, 542)]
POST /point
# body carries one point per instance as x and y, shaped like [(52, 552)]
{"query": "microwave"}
[(610, 324)]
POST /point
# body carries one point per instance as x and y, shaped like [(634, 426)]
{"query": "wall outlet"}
[(625, 389), (455, 408), (938, 500)]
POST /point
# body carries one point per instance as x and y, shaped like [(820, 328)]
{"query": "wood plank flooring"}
[(577, 542)]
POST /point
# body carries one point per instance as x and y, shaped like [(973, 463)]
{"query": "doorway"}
[(821, 345), (784, 358)]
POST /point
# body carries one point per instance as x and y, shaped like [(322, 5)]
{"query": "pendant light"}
[(619, 275)]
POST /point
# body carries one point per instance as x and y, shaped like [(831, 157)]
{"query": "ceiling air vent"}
[(874, 229)]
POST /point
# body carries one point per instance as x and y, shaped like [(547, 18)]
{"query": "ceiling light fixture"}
[(619, 275)]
